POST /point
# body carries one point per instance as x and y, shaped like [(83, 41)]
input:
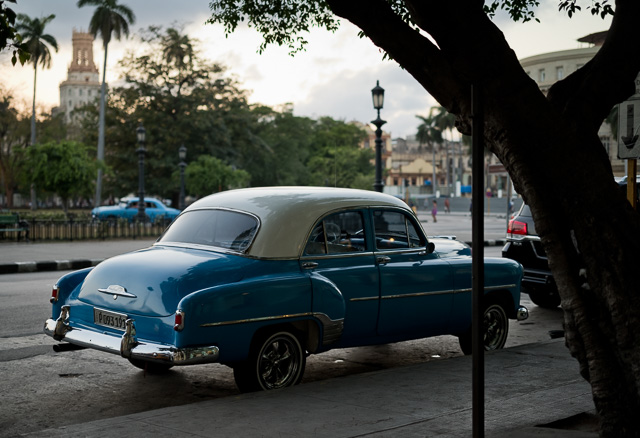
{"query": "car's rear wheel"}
[(496, 330), (150, 367), (546, 297), (275, 361)]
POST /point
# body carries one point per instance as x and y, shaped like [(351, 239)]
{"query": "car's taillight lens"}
[(517, 227), (179, 321), (54, 294)]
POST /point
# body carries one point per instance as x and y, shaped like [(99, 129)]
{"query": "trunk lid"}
[(152, 281)]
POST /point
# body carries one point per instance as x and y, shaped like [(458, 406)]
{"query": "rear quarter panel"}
[(228, 316)]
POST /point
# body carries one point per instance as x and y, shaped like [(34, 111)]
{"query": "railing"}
[(70, 230)]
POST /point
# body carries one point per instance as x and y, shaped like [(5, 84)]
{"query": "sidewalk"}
[(533, 390)]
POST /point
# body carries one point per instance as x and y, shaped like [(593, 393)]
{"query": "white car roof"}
[(287, 214)]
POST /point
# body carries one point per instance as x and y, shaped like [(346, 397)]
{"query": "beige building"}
[(82, 85), (548, 68)]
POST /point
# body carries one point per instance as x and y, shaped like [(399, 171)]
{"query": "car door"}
[(415, 284), (338, 257)]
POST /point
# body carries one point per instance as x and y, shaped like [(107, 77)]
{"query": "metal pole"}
[(181, 200), (631, 181), (378, 184), (477, 237), (141, 152)]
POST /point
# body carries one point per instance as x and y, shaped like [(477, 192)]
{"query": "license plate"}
[(109, 319)]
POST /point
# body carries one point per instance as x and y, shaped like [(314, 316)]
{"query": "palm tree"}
[(109, 18), (429, 133), (37, 43), (178, 51), (446, 122)]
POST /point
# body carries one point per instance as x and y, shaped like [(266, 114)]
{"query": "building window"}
[(80, 92), (559, 73), (89, 93), (542, 76)]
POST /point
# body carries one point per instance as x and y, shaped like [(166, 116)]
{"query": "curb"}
[(47, 265)]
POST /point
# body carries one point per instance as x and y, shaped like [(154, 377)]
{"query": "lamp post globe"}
[(141, 137), (377, 94), (182, 154)]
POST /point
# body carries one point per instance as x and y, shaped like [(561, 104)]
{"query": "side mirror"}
[(431, 247)]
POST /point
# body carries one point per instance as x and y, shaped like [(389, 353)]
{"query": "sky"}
[(333, 77)]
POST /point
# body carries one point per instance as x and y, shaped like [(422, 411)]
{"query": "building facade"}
[(548, 68), (82, 85)]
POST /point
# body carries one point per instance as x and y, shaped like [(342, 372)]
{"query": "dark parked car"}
[(524, 246), (257, 279)]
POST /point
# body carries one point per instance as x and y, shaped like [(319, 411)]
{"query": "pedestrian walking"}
[(434, 211), (447, 206)]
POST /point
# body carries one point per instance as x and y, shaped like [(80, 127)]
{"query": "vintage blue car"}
[(257, 279), (127, 208)]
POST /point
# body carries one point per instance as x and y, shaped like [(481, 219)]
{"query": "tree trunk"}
[(551, 149)]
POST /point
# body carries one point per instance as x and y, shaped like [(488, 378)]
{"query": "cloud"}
[(333, 77)]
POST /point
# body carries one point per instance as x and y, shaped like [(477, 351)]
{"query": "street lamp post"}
[(377, 93), (182, 153), (141, 134)]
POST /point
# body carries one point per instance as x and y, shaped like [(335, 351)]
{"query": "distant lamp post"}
[(377, 93), (182, 153), (141, 133)]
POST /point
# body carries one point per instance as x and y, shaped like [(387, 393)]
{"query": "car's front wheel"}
[(275, 361), (496, 330)]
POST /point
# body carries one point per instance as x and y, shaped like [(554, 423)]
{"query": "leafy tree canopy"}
[(9, 36), (65, 168)]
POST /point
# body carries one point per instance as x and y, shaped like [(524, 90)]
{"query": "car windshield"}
[(221, 228)]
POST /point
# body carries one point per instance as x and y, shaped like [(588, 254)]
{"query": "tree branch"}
[(587, 96), (413, 51)]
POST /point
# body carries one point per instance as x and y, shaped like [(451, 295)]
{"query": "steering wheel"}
[(333, 232)]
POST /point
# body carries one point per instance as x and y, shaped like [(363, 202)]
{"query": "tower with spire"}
[(82, 85)]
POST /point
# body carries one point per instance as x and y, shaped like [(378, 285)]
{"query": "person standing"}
[(434, 211), (447, 206)]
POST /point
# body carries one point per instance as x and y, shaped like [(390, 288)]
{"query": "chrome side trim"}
[(418, 294), (438, 292), (365, 299), (261, 319), (331, 328)]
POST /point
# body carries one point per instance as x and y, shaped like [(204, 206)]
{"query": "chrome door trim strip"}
[(261, 319)]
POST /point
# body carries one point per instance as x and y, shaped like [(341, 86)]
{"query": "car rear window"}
[(220, 228)]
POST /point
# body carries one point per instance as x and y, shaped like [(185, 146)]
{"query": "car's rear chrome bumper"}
[(127, 345)]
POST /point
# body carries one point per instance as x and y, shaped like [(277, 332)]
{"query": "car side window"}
[(394, 230), (337, 234)]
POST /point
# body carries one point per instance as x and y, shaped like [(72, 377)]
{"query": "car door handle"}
[(383, 260), (309, 265)]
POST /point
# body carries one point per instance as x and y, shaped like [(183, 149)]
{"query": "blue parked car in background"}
[(127, 208), (257, 279)]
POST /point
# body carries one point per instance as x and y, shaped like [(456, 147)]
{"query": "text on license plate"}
[(109, 319)]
